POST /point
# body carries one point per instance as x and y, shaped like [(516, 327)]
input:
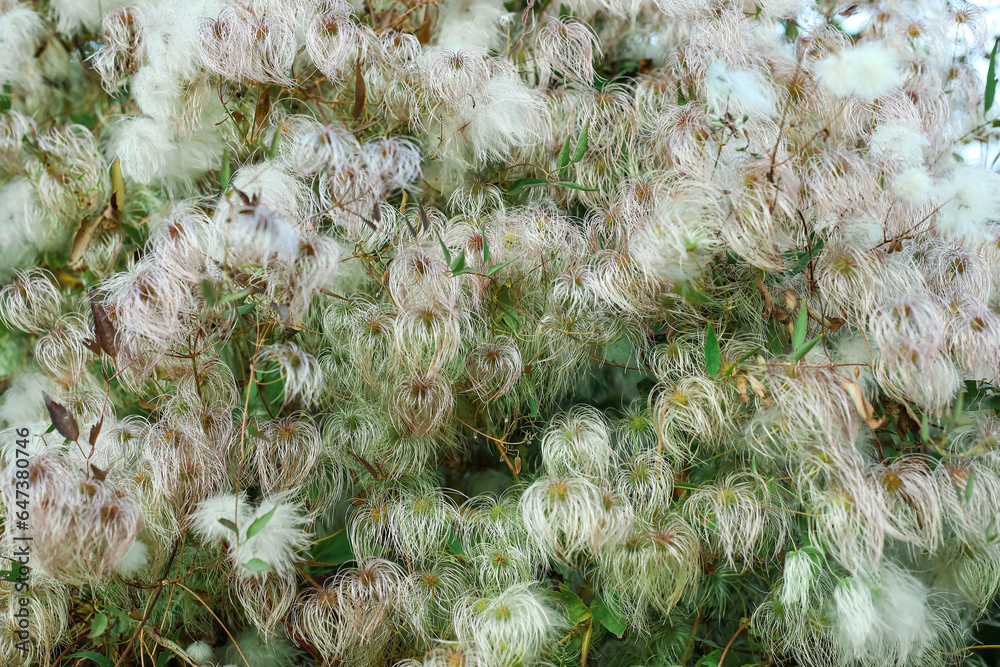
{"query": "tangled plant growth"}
[(460, 332)]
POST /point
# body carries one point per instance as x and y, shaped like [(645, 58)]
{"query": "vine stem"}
[(149, 609), (743, 627)]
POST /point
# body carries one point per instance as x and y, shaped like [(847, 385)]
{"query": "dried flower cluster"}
[(499, 334)]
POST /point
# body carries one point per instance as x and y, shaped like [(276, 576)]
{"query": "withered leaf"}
[(263, 107), (82, 239), (423, 215), (861, 404), (62, 419), (413, 232), (95, 431), (359, 91), (99, 475), (117, 186), (92, 345), (424, 31), (104, 328)]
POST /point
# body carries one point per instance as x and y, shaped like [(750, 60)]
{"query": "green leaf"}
[(799, 259), (245, 308), (122, 616), (713, 357), (799, 332), (224, 172), (496, 267), (260, 522), (275, 142), (563, 156), (486, 249), (991, 79), (98, 625), (581, 144), (14, 574), (969, 486), (512, 318), (444, 249), (574, 186), (230, 525), (88, 120), (524, 183), (459, 262), (692, 294), (710, 660), (235, 296), (164, 658), (743, 357), (335, 550), (102, 660), (804, 349), (533, 405), (576, 611), (925, 429), (610, 620), (256, 565)]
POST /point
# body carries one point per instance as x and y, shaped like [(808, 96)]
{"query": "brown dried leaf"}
[(104, 328), (424, 31), (99, 474), (95, 431), (82, 239), (791, 301), (62, 418), (263, 108), (359, 91), (861, 404), (768, 306), (759, 389), (741, 384)]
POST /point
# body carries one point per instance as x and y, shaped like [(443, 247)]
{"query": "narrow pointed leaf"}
[(575, 186), (444, 249), (969, 485), (991, 79), (458, 264), (496, 267), (799, 332), (523, 183), (713, 356), (275, 143), (359, 91), (224, 172), (804, 349), (230, 525), (260, 522), (563, 156), (423, 216), (486, 249), (581, 144)]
